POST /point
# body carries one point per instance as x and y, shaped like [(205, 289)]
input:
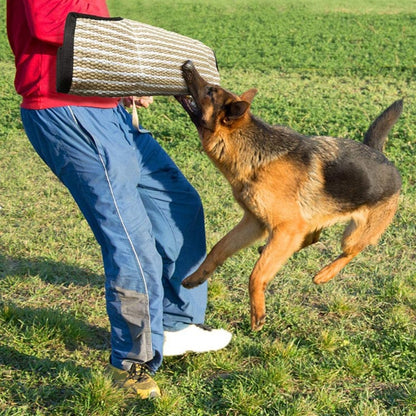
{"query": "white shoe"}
[(195, 338)]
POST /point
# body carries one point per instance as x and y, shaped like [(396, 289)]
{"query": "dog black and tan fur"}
[(290, 186)]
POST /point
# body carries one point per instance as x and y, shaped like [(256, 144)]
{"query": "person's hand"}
[(139, 101)]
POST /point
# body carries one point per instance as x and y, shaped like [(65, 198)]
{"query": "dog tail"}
[(377, 133)]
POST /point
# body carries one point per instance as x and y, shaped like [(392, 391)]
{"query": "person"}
[(145, 215)]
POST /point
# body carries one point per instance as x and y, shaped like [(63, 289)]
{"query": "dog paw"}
[(257, 323), (193, 280), (190, 283), (322, 278)]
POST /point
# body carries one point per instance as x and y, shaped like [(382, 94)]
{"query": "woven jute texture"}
[(115, 58)]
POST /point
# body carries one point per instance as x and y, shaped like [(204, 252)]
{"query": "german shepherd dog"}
[(290, 186)]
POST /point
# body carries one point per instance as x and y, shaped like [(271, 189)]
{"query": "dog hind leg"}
[(360, 233), (246, 232)]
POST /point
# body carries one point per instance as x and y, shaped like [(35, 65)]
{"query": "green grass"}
[(346, 348)]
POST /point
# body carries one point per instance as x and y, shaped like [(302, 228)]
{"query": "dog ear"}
[(235, 110), (249, 95)]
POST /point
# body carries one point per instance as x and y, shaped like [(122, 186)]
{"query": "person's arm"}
[(46, 18)]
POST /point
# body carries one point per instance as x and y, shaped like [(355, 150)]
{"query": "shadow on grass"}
[(32, 373), (37, 385), (37, 382), (30, 377), (29, 372), (49, 271), (44, 325)]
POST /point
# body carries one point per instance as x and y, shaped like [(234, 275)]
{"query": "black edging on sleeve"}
[(65, 54)]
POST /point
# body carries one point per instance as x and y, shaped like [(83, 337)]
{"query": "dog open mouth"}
[(189, 104)]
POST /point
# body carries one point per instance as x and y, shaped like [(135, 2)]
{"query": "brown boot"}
[(137, 380)]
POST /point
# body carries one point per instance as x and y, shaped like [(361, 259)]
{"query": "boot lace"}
[(139, 372)]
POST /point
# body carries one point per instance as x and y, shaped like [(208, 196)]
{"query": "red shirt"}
[(35, 30)]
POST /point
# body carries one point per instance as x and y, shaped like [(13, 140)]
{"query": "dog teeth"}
[(192, 103)]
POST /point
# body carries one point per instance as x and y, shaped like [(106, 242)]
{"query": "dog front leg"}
[(283, 243), (245, 233)]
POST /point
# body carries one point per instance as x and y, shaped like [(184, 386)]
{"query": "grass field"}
[(346, 348)]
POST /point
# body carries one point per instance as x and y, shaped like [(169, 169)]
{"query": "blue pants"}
[(145, 215)]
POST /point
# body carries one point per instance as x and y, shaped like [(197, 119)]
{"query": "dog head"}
[(211, 107)]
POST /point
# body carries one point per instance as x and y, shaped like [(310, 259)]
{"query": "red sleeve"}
[(46, 18)]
